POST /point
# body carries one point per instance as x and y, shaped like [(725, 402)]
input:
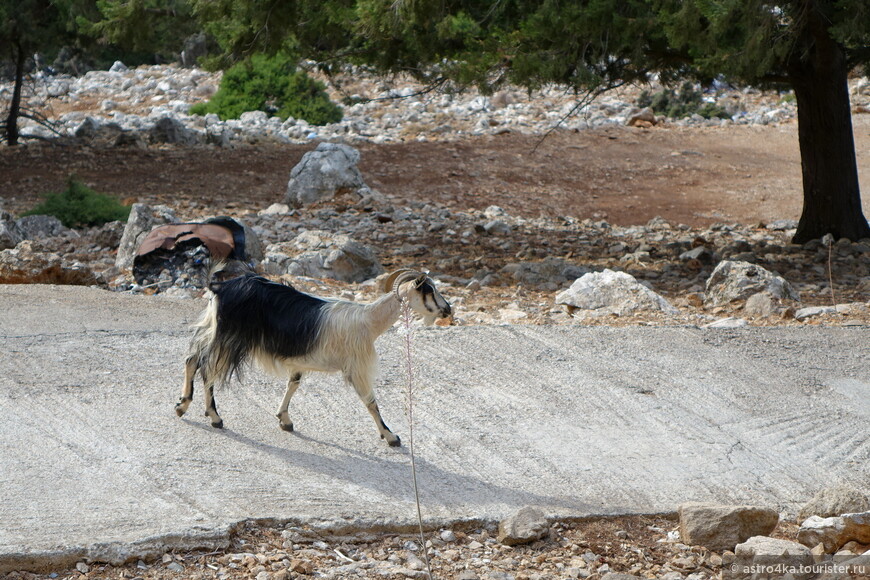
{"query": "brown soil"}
[(624, 175)]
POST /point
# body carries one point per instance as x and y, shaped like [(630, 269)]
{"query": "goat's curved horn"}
[(401, 272)]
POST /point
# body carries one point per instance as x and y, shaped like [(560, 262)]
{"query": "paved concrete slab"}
[(578, 421)]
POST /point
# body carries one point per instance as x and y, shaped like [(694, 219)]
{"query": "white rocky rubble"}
[(319, 254), (151, 104)]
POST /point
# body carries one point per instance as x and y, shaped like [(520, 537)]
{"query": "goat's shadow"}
[(392, 476)]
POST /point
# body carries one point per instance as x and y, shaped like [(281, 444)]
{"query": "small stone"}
[(729, 322), (301, 566), (498, 228), (524, 527), (760, 305), (643, 118), (810, 311), (175, 567), (275, 209), (83, 568), (448, 536), (699, 253)]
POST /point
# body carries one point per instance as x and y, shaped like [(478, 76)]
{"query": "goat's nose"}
[(446, 311)]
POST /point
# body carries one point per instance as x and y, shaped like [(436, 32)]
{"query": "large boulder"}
[(143, 218), (327, 171), (10, 233), (733, 280), (171, 130), (759, 553), (319, 254), (721, 527), (615, 292), (835, 501), (835, 532), (104, 133), (36, 227)]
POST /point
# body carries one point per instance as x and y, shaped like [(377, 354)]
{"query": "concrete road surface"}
[(577, 421)]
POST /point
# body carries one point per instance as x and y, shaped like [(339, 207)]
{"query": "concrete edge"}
[(220, 538), (118, 553)]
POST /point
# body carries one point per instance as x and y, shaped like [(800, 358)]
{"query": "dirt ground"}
[(624, 175)]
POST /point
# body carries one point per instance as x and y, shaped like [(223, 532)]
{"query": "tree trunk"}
[(15, 105), (832, 198)]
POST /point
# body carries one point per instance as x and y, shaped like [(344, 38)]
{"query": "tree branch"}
[(858, 56)]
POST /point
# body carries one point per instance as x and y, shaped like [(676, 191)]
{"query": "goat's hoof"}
[(181, 406), (218, 424), (397, 442), (286, 426)]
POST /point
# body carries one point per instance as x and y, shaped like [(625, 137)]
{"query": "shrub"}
[(274, 85), (683, 103), (78, 206)]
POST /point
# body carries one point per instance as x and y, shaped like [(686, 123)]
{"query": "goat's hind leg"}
[(191, 365), (283, 416)]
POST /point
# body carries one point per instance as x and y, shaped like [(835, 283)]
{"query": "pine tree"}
[(26, 27)]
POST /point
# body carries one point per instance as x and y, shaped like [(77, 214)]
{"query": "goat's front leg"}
[(362, 384), (283, 417), (391, 438), (191, 365), (211, 407)]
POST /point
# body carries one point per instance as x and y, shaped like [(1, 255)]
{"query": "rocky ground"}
[(498, 267), (642, 546), (504, 221)]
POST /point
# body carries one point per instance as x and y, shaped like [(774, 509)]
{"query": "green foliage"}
[(158, 27), (274, 85), (683, 103), (78, 206), (29, 26)]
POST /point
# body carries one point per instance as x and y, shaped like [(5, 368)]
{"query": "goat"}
[(289, 333)]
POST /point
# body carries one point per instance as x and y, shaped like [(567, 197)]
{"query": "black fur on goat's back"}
[(254, 313)]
